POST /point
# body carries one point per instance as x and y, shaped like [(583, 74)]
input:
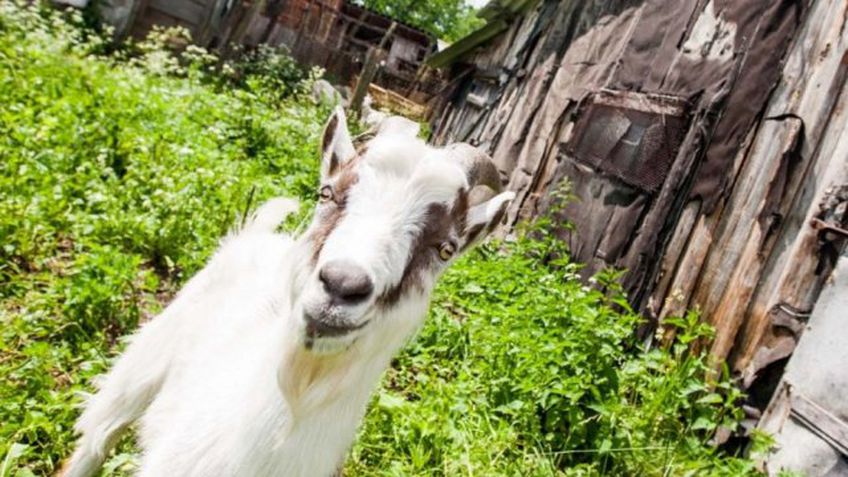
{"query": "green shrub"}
[(271, 69), (263, 70), (523, 370)]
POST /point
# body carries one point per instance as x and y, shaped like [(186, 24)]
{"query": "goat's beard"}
[(326, 346)]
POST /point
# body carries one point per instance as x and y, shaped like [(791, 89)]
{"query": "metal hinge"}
[(822, 226)]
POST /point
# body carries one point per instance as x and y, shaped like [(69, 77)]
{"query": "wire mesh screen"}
[(632, 136)]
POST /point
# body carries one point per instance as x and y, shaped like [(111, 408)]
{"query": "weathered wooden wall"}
[(699, 138)]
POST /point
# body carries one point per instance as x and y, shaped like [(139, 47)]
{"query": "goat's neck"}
[(310, 382)]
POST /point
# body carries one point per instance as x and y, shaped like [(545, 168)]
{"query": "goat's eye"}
[(446, 251), (325, 194)]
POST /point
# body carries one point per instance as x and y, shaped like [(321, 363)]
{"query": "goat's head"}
[(390, 218)]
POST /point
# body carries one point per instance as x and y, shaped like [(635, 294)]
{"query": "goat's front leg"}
[(124, 394), (135, 380)]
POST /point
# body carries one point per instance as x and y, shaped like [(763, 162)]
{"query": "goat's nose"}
[(346, 281)]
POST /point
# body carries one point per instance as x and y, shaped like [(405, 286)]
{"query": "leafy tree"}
[(447, 19)]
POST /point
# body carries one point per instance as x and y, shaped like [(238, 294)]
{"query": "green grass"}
[(117, 178)]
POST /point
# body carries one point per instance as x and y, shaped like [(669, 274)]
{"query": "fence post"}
[(369, 71)]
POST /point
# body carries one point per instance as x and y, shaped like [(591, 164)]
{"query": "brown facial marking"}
[(327, 140), (329, 132), (361, 142), (436, 229), (334, 163), (459, 213), (329, 215)]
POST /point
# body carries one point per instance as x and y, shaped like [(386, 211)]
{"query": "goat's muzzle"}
[(345, 282), (319, 327)]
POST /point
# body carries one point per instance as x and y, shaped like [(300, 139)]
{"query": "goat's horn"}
[(478, 166)]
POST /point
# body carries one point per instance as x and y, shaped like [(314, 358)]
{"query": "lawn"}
[(121, 169)]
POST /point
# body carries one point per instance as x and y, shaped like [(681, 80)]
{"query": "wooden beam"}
[(369, 71), (466, 45), (211, 24), (819, 421)]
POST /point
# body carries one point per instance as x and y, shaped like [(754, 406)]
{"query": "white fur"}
[(222, 381)]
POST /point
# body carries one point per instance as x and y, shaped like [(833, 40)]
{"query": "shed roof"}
[(403, 29), (498, 15)]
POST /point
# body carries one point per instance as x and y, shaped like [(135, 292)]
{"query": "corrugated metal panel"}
[(809, 416)]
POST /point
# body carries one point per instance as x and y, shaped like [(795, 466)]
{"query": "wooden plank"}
[(653, 103), (745, 239), (236, 34), (193, 14), (808, 417), (362, 24), (519, 97), (533, 129), (813, 93), (678, 298), (211, 23), (743, 208), (670, 262), (351, 32), (799, 277), (387, 99), (369, 70), (735, 270), (820, 422)]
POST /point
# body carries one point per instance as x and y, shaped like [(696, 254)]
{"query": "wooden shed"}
[(705, 144), (337, 35), (333, 34)]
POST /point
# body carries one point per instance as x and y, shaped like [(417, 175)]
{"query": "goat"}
[(265, 361)]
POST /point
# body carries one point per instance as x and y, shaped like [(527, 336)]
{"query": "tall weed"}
[(523, 370)]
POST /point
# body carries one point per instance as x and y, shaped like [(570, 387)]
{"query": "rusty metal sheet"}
[(764, 31), (696, 49)]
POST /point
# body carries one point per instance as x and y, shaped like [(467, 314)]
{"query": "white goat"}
[(265, 361)]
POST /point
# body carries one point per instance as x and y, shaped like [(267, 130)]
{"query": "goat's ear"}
[(336, 144), (483, 218)]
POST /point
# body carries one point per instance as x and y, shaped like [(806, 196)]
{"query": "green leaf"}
[(390, 402)]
